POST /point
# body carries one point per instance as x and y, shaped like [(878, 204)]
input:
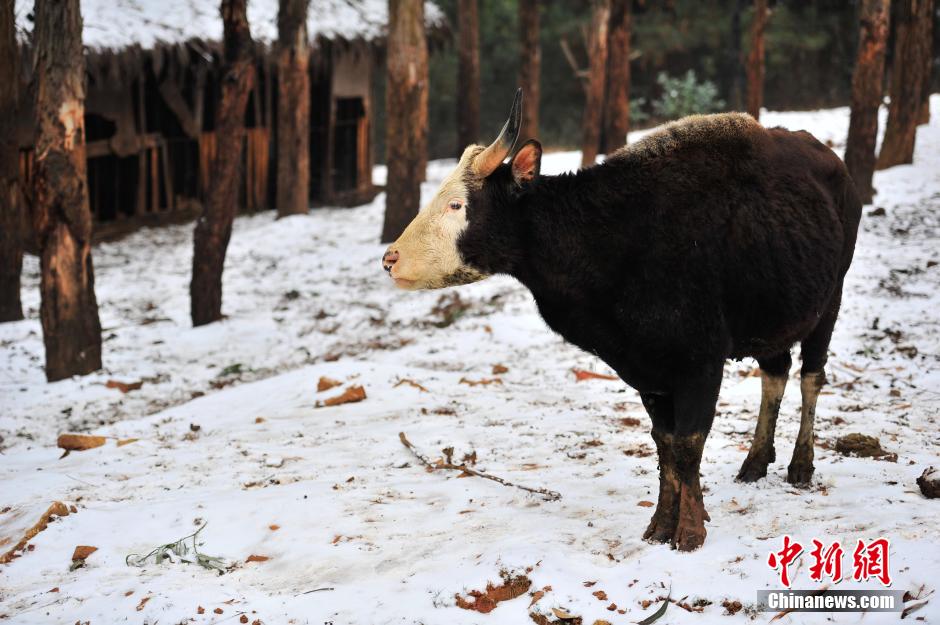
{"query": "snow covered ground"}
[(230, 435)]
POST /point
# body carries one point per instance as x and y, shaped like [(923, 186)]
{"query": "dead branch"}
[(548, 495), (579, 73)]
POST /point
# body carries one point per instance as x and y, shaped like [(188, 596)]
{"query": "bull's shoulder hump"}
[(692, 131)]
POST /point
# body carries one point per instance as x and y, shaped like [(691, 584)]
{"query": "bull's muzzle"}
[(389, 259)]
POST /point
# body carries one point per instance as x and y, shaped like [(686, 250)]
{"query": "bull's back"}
[(765, 217)]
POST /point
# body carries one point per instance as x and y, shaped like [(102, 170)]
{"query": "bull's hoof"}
[(752, 470), (690, 531), (800, 474), (662, 527), (689, 537)]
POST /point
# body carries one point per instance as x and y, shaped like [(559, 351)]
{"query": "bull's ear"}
[(527, 162)]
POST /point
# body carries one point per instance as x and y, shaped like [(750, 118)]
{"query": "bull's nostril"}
[(389, 259)]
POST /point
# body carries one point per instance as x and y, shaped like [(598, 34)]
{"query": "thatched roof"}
[(118, 24)]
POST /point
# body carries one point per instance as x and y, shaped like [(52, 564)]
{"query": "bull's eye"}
[(455, 205)]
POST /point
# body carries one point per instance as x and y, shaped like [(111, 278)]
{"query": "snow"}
[(116, 24), (361, 522)]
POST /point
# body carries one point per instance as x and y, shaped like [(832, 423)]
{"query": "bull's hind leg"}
[(773, 376), (681, 422), (815, 352)]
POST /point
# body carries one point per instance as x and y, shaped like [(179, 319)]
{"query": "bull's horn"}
[(489, 159)]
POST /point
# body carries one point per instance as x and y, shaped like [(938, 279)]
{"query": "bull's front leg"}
[(681, 422)]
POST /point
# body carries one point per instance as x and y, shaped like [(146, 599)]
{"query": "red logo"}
[(869, 561), (783, 558)]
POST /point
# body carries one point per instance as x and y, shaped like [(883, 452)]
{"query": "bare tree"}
[(61, 214), (867, 90), (468, 74), (907, 82), (11, 244), (755, 59), (406, 106), (214, 227), (617, 98), (530, 67), (597, 70), (293, 109)]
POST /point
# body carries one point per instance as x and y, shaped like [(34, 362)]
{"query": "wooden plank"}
[(168, 177)]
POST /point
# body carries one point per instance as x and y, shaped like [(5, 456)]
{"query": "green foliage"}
[(685, 95)]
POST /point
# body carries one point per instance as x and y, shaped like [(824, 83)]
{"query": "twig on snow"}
[(548, 495)]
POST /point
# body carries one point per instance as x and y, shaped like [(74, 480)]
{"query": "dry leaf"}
[(82, 551), (645, 504), (500, 369), (559, 613), (126, 441), (326, 384), (259, 419), (412, 384), (487, 600), (79, 442), (254, 558), (143, 602), (600, 594), (581, 375), (200, 609), (538, 594), (350, 395), (242, 619), (11, 528), (483, 382), (274, 527), (218, 610), (124, 387)]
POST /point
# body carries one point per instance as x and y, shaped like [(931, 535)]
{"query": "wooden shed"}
[(153, 69)]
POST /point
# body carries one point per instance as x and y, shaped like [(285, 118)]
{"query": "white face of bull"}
[(426, 255)]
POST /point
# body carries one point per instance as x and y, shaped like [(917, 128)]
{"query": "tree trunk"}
[(293, 109), (755, 59), (11, 243), (468, 74), (61, 214), (530, 67), (924, 116), (597, 69), (867, 94), (406, 106), (214, 227), (617, 105), (734, 66), (907, 82)]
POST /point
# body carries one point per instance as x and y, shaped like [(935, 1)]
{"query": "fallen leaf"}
[(56, 589), (500, 369), (562, 614), (487, 600), (143, 602), (350, 395), (326, 384), (482, 382), (254, 558), (218, 610), (645, 504), (274, 527), (124, 387), (538, 594), (82, 552), (259, 419), (600, 594), (242, 619), (658, 613), (200, 609), (412, 384), (79, 442), (126, 441), (630, 422), (12, 527), (581, 375)]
